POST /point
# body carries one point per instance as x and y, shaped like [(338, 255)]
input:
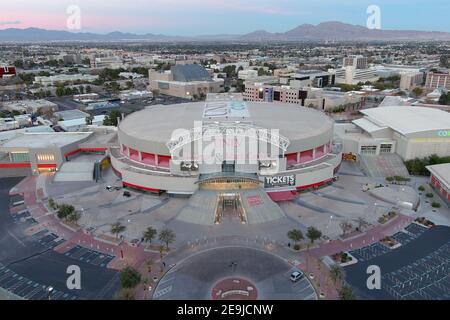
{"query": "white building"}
[(352, 75), (30, 106), (247, 74), (410, 80), (410, 132), (62, 78)]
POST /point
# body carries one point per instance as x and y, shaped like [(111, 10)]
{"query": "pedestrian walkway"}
[(122, 255), (374, 235)]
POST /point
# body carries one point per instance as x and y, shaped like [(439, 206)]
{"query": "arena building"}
[(226, 143)]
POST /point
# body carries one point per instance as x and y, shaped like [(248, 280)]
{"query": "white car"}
[(296, 276)]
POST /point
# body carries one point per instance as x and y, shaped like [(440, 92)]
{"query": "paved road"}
[(195, 277), (28, 258)]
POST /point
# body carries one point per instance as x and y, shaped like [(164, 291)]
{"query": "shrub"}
[(436, 205), (429, 195), (296, 247), (129, 278), (422, 188)]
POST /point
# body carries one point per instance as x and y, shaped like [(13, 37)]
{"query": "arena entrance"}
[(229, 181), (229, 206)]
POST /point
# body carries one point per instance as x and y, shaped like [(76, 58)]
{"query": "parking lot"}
[(28, 289), (89, 256), (48, 239), (419, 269), (24, 218)]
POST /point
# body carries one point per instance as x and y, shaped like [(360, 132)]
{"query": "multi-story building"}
[(307, 97), (358, 62), (185, 81), (410, 80), (312, 78), (353, 75), (437, 80)]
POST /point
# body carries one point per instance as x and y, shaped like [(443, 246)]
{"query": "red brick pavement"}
[(125, 255), (375, 234)]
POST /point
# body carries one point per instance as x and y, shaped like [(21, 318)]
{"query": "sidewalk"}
[(125, 255), (373, 235)]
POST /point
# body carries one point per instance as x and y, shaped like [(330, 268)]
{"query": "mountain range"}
[(326, 31)]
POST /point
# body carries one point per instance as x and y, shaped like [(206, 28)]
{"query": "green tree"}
[(117, 228), (167, 237), (112, 119), (150, 234), (417, 91), (336, 274), (346, 293), (125, 294), (129, 278), (445, 99), (295, 235), (60, 91), (89, 120), (313, 234), (65, 210)]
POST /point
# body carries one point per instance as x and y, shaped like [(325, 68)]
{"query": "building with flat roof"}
[(437, 80), (305, 97), (30, 106), (440, 180), (225, 142), (26, 153), (410, 132), (185, 81), (63, 78), (358, 62)]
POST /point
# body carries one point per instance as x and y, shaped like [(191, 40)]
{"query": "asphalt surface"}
[(196, 277), (36, 261), (412, 261)]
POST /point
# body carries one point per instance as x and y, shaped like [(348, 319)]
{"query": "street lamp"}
[(49, 292)]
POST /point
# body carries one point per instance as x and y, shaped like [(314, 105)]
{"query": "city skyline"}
[(175, 17)]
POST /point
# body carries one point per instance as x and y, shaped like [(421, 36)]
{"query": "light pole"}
[(49, 292)]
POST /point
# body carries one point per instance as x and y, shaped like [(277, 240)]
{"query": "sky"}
[(205, 17)]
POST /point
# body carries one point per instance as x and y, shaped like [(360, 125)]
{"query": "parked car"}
[(296, 276)]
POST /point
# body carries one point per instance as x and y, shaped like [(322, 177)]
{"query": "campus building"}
[(226, 143), (410, 132), (437, 80), (185, 81), (302, 96), (25, 153)]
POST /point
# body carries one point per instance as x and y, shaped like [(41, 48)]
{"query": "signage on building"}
[(444, 133), (279, 181)]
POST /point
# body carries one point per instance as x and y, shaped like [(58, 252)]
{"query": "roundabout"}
[(233, 273)]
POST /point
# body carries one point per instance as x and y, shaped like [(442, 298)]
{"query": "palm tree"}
[(167, 236), (313, 234), (345, 226), (150, 234), (336, 274), (346, 293), (117, 228), (295, 235)]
